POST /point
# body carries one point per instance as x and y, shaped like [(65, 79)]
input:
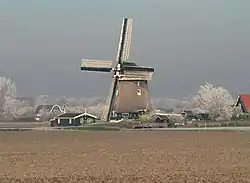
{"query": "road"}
[(247, 128), (23, 124), (46, 126)]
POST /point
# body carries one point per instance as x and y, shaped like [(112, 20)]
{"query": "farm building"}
[(243, 101), (73, 119), (47, 109)]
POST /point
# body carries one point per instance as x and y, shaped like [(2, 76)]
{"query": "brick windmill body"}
[(129, 92)]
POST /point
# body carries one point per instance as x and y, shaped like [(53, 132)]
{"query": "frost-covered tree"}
[(96, 110), (214, 100), (91, 105), (42, 100), (45, 115), (184, 105), (9, 104), (166, 103), (74, 109), (7, 96), (22, 109), (70, 104)]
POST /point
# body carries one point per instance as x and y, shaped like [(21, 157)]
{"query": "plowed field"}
[(124, 157)]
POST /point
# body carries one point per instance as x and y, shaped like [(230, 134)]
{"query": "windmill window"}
[(138, 83), (138, 91)]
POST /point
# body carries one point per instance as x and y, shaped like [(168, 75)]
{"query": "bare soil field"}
[(68, 156)]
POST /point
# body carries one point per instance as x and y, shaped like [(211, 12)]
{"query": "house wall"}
[(241, 105), (69, 122), (90, 120), (75, 122), (64, 122)]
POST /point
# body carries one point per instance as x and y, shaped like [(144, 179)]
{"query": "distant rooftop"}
[(75, 115), (47, 107)]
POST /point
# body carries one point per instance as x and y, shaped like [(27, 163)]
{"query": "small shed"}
[(73, 119)]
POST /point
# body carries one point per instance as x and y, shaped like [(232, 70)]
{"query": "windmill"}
[(129, 87)]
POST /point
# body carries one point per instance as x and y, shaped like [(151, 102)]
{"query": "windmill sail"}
[(125, 40), (123, 54), (108, 107), (96, 65)]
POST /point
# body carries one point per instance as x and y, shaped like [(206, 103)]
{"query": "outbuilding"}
[(73, 119)]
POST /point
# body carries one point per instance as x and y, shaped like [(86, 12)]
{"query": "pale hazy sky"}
[(188, 42)]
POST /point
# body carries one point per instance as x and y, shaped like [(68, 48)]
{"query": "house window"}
[(138, 91), (114, 114)]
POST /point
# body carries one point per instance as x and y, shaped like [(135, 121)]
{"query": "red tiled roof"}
[(245, 98)]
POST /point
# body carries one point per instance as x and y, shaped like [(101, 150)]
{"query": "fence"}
[(202, 124)]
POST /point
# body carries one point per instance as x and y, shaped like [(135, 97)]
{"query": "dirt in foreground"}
[(125, 157)]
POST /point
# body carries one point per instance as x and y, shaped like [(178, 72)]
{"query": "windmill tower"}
[(129, 94)]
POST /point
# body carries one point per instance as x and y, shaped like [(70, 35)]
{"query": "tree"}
[(22, 109), (92, 105), (96, 109), (214, 100), (145, 118), (184, 105), (166, 103), (42, 100), (45, 115), (7, 96), (70, 104)]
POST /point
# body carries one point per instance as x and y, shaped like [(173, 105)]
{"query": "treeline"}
[(214, 100)]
